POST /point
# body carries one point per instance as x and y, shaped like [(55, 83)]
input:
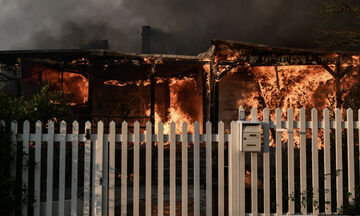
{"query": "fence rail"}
[(250, 186)]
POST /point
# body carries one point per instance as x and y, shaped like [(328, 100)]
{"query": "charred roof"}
[(223, 52), (231, 52)]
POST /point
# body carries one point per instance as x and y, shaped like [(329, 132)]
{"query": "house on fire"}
[(210, 86)]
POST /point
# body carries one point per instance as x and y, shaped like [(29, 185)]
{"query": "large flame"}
[(284, 87), (185, 105)]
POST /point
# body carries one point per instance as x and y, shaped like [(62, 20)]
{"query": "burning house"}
[(107, 85), (260, 76), (210, 86)]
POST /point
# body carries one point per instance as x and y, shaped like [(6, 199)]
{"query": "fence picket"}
[(327, 162), (87, 157), (233, 166), (266, 162), (196, 169), (184, 169), (105, 178), (124, 145), (74, 167), (291, 168), (37, 174), (278, 162), (62, 161), (160, 169), (172, 169), (241, 176), (112, 152), (350, 153), (97, 170), (148, 140), (208, 169), (315, 160), (13, 149), (50, 168), (339, 165), (254, 173), (221, 173), (303, 190), (136, 193), (25, 172), (13, 154)]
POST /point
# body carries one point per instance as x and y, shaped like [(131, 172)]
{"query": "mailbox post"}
[(245, 137), (250, 136)]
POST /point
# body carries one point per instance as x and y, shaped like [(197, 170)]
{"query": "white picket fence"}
[(99, 199)]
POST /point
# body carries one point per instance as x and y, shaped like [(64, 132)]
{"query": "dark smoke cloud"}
[(182, 26)]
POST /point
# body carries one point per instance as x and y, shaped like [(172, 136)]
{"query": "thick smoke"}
[(185, 26)]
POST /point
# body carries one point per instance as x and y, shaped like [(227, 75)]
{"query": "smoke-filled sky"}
[(189, 25)]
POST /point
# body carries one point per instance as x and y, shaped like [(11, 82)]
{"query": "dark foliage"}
[(44, 105)]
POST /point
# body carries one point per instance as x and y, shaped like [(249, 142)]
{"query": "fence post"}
[(315, 161), (112, 153), (37, 175), (25, 168), (266, 162), (208, 169), (13, 155), (350, 153), (240, 167), (97, 170), (160, 169), (196, 169), (184, 168), (221, 165), (339, 165), (254, 173), (124, 145), (303, 189), (278, 162), (62, 173), (87, 163), (136, 168), (50, 168), (105, 177), (74, 167), (291, 178), (327, 162), (172, 169), (233, 172), (148, 150)]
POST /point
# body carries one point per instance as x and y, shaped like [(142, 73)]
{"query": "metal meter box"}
[(250, 136)]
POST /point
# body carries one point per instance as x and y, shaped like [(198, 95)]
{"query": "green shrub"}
[(44, 105)]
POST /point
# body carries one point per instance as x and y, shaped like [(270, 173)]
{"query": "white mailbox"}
[(250, 136)]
